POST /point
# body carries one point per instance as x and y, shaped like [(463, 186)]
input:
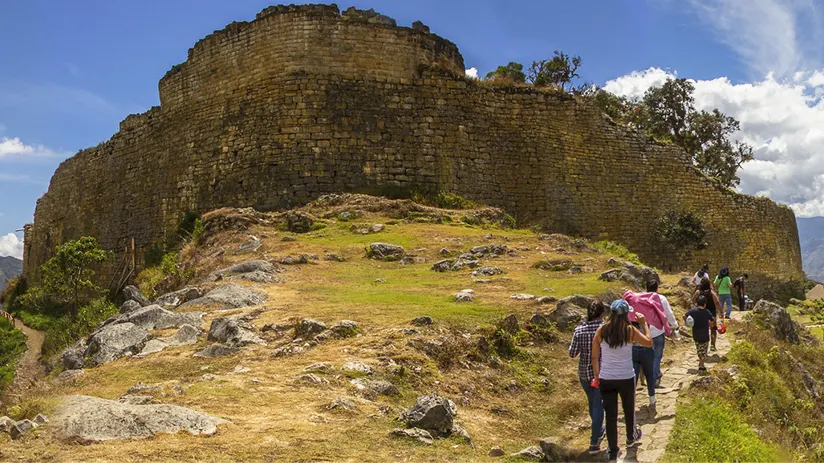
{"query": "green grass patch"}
[(12, 346), (617, 250), (711, 430)]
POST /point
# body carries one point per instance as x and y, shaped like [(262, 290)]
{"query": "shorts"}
[(701, 349)]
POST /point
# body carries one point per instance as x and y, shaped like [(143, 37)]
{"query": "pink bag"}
[(650, 305)]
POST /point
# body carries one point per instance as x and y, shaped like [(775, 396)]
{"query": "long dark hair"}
[(705, 285), (614, 332), (596, 310)]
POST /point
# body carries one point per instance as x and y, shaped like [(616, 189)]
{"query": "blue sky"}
[(71, 71)]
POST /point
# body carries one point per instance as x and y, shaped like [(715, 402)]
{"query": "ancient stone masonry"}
[(307, 100)]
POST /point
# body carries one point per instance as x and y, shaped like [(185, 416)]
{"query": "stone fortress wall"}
[(307, 100)]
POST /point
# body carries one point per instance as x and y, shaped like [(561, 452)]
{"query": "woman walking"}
[(612, 368), (582, 345), (713, 305), (724, 283)]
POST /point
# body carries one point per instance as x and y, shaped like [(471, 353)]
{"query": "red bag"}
[(722, 328)]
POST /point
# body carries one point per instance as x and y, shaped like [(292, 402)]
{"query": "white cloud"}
[(783, 121), (766, 34), (11, 245), (472, 72), (15, 147)]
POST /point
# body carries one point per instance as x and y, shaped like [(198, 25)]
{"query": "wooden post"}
[(133, 254)]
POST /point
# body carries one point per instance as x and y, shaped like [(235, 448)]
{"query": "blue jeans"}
[(658, 353), (596, 411), (726, 299), (644, 357)]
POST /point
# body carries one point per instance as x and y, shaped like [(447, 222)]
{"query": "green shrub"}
[(168, 267), (12, 346), (711, 430), (617, 250), (64, 331), (682, 230), (554, 265), (197, 232), (443, 200), (15, 288)]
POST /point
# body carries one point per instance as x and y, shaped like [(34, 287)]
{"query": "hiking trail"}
[(657, 428), (29, 369)]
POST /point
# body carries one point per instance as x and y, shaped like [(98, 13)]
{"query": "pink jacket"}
[(648, 304)]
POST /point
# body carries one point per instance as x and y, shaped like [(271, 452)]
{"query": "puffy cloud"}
[(472, 72), (11, 245), (15, 147), (782, 120)]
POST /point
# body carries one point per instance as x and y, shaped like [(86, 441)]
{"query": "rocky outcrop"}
[(432, 413), (233, 332), (115, 341), (779, 321), (229, 296), (384, 251), (88, 419), (132, 293), (175, 298)]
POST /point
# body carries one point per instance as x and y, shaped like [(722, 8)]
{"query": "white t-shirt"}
[(673, 323), (699, 276)]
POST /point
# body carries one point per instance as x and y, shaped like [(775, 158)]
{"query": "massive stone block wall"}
[(305, 101)]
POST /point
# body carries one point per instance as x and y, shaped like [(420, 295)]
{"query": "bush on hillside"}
[(617, 250), (12, 346), (10, 297), (166, 275), (682, 230)]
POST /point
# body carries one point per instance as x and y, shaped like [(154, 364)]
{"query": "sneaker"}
[(652, 409), (702, 368), (712, 348), (658, 384), (636, 438), (613, 457), (594, 449)]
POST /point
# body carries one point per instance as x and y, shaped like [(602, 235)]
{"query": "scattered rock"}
[(6, 423), (287, 350), (779, 321), (229, 296), (381, 387), (140, 387), (232, 332), (414, 433), (74, 356), (186, 335), (312, 378), (432, 413), (486, 271), (288, 238), (154, 317), (250, 245), (465, 295), (132, 293), (308, 328), (495, 452), (538, 320), (546, 299), (522, 297), (571, 310), (411, 331), (152, 347), (409, 260), (444, 252), (129, 306), (175, 298), (299, 222), (611, 275), (318, 367), (115, 341), (344, 329), (342, 402), (380, 280), (384, 251), (510, 324), (530, 453), (241, 369), (377, 228), (552, 450), (136, 399), (358, 367), (216, 350), (68, 376), (299, 260), (20, 428), (423, 321), (333, 257), (91, 419)]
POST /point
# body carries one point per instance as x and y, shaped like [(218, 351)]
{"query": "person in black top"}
[(700, 329), (713, 303), (738, 284)]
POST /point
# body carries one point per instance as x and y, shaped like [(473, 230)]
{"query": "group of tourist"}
[(614, 353)]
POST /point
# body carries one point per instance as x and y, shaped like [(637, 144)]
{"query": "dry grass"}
[(276, 418)]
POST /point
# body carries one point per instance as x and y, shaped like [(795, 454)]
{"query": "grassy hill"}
[(511, 390)]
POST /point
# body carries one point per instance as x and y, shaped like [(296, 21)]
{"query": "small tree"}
[(67, 277), (512, 71), (559, 71), (682, 230)]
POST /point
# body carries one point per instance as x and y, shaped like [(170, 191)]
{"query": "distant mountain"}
[(811, 235), (10, 267)]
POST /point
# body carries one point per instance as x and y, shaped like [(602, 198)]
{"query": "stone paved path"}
[(657, 428)]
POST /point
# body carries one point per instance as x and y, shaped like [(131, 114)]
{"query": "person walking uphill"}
[(582, 346), (700, 328), (702, 273), (738, 284), (713, 305), (723, 283), (612, 368)]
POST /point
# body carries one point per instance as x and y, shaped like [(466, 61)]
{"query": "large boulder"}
[(308, 328), (779, 320), (571, 311), (132, 293), (87, 419), (74, 356), (129, 306), (186, 335), (641, 273), (432, 413), (229, 296), (233, 332), (20, 428), (115, 341), (384, 251), (245, 270), (175, 298), (216, 350), (154, 317)]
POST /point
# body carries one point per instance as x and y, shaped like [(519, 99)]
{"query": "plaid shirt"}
[(582, 344)]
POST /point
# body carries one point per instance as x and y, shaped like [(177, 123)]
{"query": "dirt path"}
[(657, 428), (29, 369)]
